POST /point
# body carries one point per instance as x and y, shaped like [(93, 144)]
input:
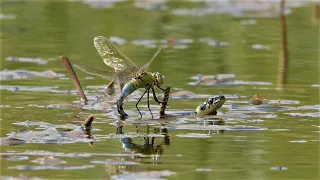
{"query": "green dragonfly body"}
[(145, 80), (126, 71)]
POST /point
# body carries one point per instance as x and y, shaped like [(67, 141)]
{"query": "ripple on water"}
[(7, 16), (101, 4), (193, 135), (203, 170), (130, 135), (49, 161), (310, 107), (200, 127), (267, 9), (313, 114), (279, 168), (69, 155), (52, 89), (114, 162), (24, 74), (298, 141), (21, 177), (22, 167), (17, 158), (227, 83), (245, 128), (29, 60), (279, 130), (143, 175), (315, 140), (260, 108), (33, 123), (283, 101), (256, 120)]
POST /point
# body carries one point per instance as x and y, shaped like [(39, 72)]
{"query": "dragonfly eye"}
[(159, 79)]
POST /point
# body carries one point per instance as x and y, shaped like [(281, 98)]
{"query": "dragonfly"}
[(126, 71)]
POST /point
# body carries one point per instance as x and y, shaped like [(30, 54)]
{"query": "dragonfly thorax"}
[(158, 79)]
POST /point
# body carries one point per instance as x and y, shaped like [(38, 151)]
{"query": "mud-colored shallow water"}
[(209, 48)]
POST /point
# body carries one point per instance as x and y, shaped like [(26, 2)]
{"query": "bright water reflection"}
[(211, 48)]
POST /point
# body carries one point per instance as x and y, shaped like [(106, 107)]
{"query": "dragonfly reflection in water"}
[(149, 148), (126, 71)]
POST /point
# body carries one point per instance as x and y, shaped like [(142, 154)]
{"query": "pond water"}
[(229, 48)]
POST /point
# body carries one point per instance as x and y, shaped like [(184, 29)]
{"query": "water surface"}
[(41, 112)]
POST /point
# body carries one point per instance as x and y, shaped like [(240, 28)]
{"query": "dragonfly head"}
[(159, 79)]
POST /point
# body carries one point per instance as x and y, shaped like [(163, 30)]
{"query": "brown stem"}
[(67, 64), (283, 70), (87, 123)]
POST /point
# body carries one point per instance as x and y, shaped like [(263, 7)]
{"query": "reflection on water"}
[(148, 148), (229, 48)]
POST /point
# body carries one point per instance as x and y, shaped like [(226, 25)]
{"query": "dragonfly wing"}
[(124, 75), (111, 55), (145, 67), (95, 71)]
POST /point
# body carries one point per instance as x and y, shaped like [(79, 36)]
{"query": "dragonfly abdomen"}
[(126, 91)]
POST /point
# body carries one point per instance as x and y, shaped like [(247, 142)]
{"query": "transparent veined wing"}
[(118, 76), (112, 56), (96, 71), (145, 67)]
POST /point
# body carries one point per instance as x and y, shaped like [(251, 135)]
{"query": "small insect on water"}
[(126, 71)]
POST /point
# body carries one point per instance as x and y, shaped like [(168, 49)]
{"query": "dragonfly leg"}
[(149, 103), (139, 101), (152, 141), (155, 96)]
